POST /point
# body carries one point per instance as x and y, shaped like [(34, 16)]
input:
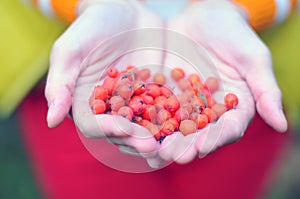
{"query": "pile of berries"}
[(149, 102)]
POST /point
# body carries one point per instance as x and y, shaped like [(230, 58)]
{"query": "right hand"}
[(72, 77)]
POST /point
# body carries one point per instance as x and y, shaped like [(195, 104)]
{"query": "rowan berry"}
[(159, 78), (116, 102), (126, 112), (98, 106), (100, 93), (177, 74), (144, 74), (201, 121), (153, 90), (112, 72), (231, 100), (187, 127)]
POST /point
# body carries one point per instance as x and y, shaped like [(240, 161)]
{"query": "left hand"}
[(244, 66)]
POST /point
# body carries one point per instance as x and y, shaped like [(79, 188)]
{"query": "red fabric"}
[(66, 170)]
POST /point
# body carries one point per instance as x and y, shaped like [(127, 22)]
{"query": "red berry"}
[(197, 103), (211, 115), (162, 116), (181, 114), (187, 127), (100, 93), (116, 102), (159, 78), (126, 112), (154, 130), (219, 109), (125, 91), (144, 74), (139, 87), (172, 104), (184, 84), (112, 72), (231, 100), (153, 90), (165, 91), (168, 127), (99, 106), (177, 74), (137, 105), (150, 113), (212, 84), (109, 84), (201, 121), (148, 99)]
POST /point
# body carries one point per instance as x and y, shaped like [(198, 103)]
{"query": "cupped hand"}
[(243, 64), (102, 35)]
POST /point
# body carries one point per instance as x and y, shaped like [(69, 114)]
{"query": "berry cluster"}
[(154, 105)]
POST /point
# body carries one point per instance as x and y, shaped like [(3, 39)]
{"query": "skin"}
[(246, 70), (71, 78)]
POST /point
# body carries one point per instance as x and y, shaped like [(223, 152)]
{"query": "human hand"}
[(72, 77), (243, 64)]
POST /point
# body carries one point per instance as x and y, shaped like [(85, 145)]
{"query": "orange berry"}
[(159, 78), (112, 72), (201, 121), (100, 93), (137, 105), (181, 114), (187, 127), (163, 115), (211, 115), (139, 87), (168, 127), (212, 84), (165, 91), (231, 100), (150, 113), (125, 91), (153, 90), (184, 84), (109, 84), (126, 112), (154, 130), (148, 99), (177, 74), (144, 74), (116, 102), (219, 109), (99, 106), (172, 104), (194, 79)]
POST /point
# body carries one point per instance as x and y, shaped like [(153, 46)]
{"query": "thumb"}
[(254, 63), (263, 85), (63, 72)]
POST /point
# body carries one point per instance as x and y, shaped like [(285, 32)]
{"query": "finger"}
[(69, 51), (229, 128), (127, 150), (267, 95), (254, 62), (186, 150), (168, 146), (155, 162)]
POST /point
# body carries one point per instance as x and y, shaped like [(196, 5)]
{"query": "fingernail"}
[(50, 111)]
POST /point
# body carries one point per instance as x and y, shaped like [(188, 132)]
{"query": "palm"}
[(91, 41), (219, 30)]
